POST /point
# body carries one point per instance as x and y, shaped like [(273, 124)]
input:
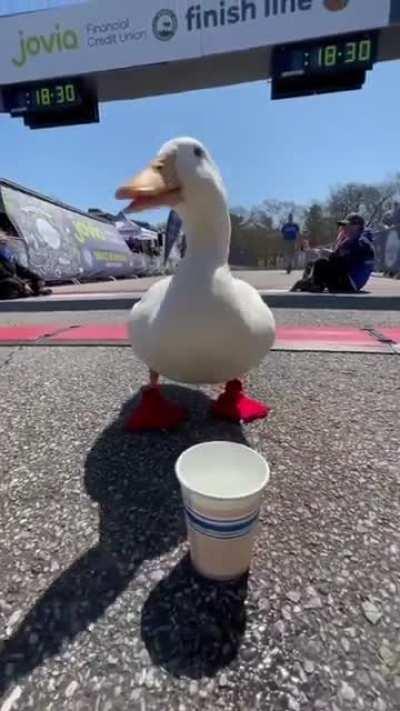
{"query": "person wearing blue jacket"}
[(290, 234), (352, 262), (349, 266)]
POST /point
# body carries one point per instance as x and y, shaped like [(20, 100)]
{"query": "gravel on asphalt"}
[(99, 607)]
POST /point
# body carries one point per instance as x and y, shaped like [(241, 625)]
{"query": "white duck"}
[(200, 325)]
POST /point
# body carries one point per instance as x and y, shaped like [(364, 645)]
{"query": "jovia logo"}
[(59, 40), (165, 25), (335, 5)]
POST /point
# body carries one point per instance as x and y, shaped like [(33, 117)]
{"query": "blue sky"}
[(292, 150)]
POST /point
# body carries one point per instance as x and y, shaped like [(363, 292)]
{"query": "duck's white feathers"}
[(201, 327)]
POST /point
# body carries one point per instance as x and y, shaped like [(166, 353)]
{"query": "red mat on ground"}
[(325, 334), (288, 337), (27, 334), (392, 333), (94, 332)]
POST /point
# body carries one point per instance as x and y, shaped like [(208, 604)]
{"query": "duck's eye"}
[(198, 152)]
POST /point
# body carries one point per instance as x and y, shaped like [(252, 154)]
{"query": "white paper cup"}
[(222, 485)]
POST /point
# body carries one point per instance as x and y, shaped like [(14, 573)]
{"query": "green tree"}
[(319, 228), (252, 242), (314, 224)]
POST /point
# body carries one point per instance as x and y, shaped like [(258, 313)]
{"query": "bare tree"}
[(370, 200)]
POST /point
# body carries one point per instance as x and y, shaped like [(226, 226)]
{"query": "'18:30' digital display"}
[(53, 96), (67, 101), (329, 56)]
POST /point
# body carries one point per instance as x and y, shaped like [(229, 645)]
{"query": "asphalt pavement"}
[(283, 317), (274, 286), (99, 607), (263, 279)]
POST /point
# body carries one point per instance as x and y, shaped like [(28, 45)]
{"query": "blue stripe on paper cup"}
[(221, 528)]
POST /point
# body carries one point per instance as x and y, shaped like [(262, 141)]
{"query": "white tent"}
[(128, 228)]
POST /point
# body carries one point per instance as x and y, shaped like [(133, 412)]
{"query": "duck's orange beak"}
[(156, 186)]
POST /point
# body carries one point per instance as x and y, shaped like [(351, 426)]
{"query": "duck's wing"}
[(153, 297), (252, 307)]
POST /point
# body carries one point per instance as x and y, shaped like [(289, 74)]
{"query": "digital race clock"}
[(60, 102), (333, 64), (54, 96)]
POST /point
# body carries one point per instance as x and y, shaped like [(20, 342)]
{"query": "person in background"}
[(350, 265), (290, 234), (392, 217), (17, 281), (310, 254), (396, 214)]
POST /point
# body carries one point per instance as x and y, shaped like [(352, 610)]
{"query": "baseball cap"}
[(352, 219)]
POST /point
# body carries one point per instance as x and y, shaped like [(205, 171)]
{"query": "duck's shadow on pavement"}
[(132, 479)]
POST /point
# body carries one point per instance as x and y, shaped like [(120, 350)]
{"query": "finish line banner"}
[(101, 36)]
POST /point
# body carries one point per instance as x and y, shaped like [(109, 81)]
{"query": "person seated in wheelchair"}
[(348, 267)]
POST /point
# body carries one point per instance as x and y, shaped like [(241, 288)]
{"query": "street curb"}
[(276, 300)]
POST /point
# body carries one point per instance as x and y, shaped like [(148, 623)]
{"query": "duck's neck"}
[(208, 233)]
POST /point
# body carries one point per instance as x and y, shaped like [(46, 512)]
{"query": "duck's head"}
[(183, 176)]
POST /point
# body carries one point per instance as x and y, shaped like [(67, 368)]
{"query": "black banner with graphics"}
[(59, 243)]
